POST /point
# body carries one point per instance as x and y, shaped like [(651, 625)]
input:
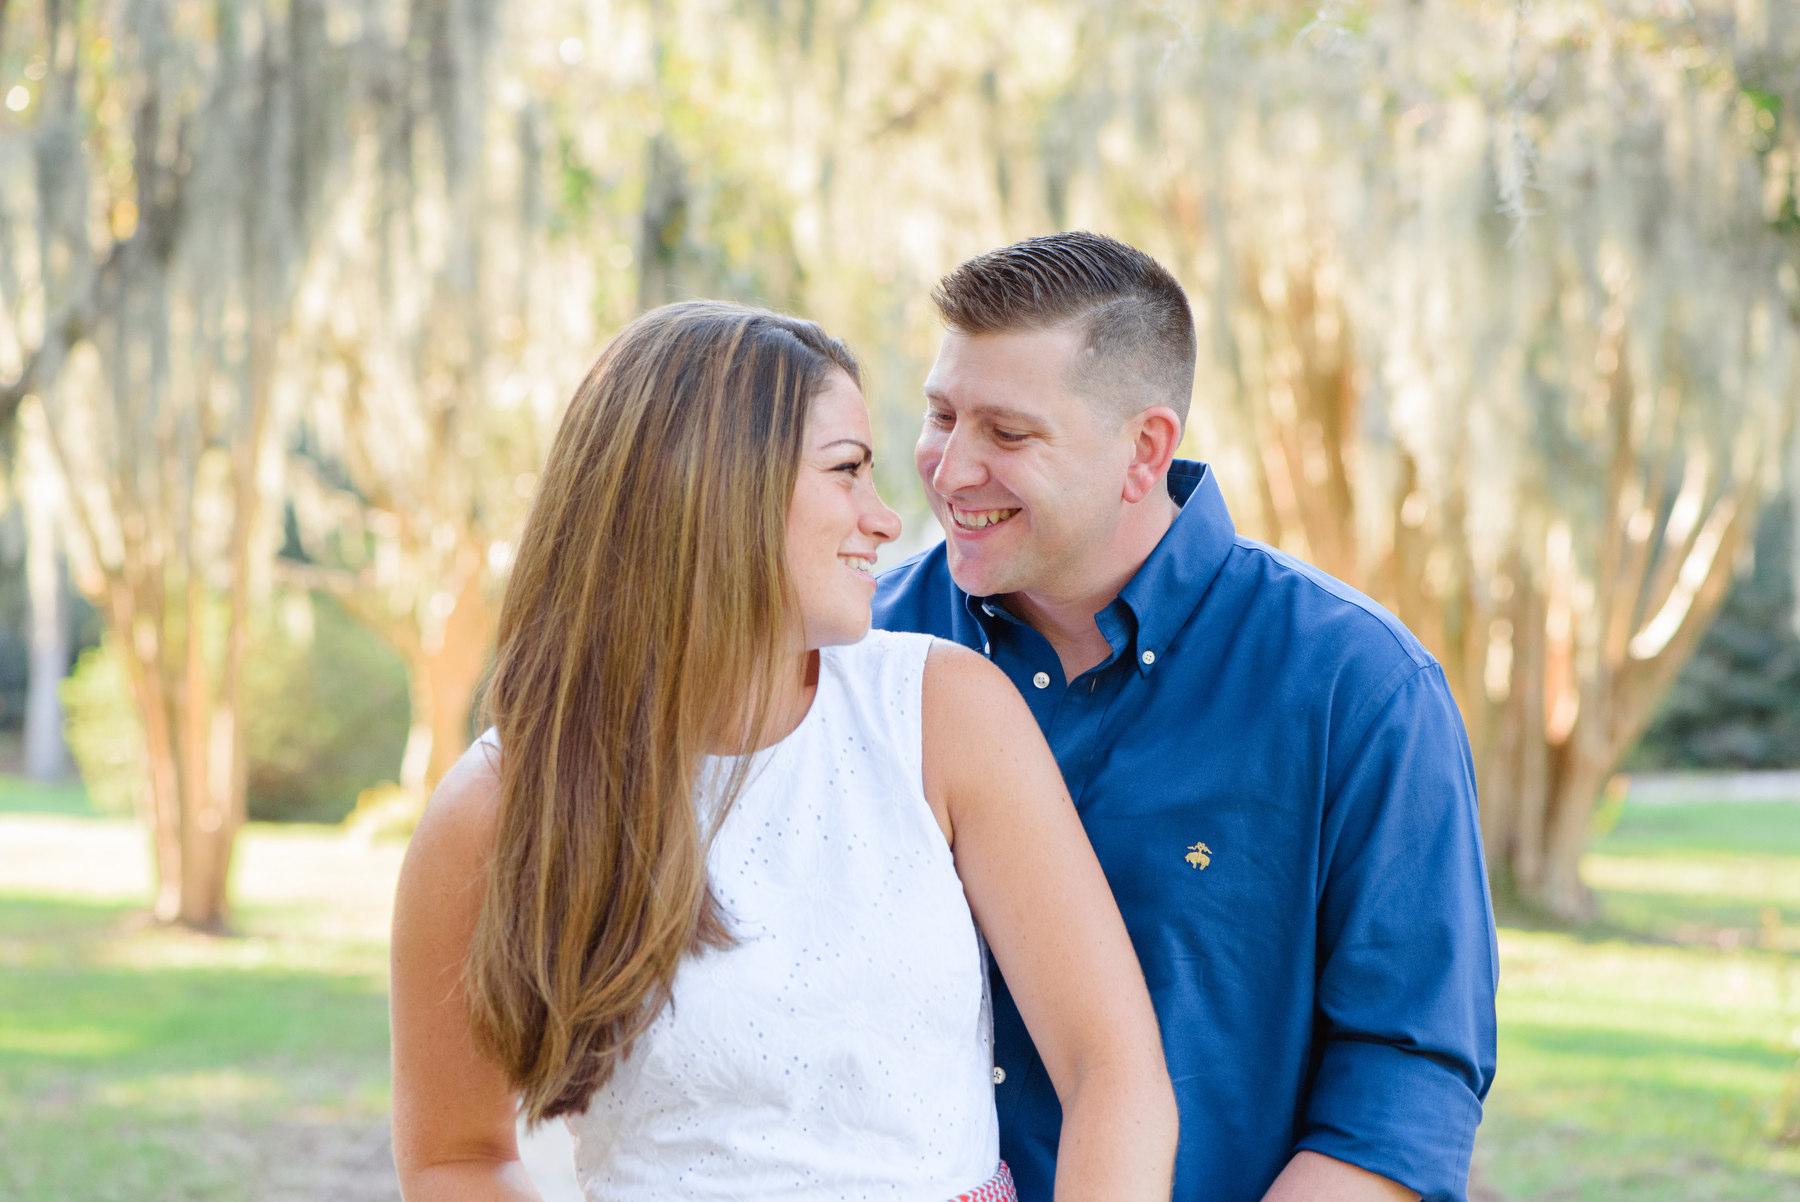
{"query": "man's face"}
[(1024, 475)]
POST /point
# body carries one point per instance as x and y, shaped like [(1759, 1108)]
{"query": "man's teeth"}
[(979, 519), (858, 563)]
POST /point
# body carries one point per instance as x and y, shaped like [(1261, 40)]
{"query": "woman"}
[(712, 903)]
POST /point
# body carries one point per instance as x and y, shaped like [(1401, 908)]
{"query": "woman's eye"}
[(852, 466)]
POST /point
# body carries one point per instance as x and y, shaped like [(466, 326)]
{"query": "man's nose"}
[(959, 465)]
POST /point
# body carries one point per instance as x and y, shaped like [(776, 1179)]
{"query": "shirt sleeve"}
[(1407, 960)]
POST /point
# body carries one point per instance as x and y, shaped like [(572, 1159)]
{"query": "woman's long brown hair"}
[(643, 626)]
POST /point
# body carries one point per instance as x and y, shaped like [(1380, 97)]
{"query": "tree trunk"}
[(442, 693), (443, 674), (1558, 652), (191, 835), (46, 752), (663, 234), (162, 812), (193, 804)]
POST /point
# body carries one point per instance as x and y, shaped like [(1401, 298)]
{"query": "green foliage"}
[(103, 730), (325, 713), (1736, 703), (324, 721)]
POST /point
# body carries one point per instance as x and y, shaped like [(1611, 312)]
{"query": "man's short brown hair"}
[(1138, 332)]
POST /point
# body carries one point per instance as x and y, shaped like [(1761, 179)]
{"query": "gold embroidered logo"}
[(1199, 855)]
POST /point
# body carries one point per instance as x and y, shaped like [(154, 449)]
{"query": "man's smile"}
[(978, 519)]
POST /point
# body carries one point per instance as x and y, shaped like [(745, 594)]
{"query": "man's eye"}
[(937, 417), (1010, 436)]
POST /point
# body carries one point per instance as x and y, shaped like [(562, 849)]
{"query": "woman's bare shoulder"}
[(961, 685), (464, 810), (980, 737)]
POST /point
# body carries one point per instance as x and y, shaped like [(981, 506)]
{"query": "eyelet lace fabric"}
[(842, 1049)]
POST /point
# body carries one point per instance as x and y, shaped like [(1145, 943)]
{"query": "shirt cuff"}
[(1396, 1113)]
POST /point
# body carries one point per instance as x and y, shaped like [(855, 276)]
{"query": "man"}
[(1270, 766)]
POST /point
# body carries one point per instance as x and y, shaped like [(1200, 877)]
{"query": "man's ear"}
[(1155, 433)]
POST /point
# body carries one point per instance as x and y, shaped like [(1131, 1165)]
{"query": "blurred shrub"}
[(324, 721), (325, 714), (385, 811), (102, 729)]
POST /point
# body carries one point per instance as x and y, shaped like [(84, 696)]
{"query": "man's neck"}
[(1065, 615)]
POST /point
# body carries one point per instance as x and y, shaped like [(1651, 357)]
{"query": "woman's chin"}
[(838, 631)]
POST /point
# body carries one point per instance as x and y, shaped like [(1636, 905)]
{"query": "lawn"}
[(1650, 1056), (145, 1065), (1643, 1058)]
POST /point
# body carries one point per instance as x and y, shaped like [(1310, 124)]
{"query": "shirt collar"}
[(1169, 584), (1167, 588)]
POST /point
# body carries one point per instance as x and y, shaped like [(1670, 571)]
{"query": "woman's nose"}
[(880, 522)]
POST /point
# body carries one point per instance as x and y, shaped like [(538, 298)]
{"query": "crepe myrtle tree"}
[(1505, 336), (530, 184), (435, 334), (168, 183), (516, 191), (161, 174)]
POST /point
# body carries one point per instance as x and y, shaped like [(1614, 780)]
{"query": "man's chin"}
[(976, 577)]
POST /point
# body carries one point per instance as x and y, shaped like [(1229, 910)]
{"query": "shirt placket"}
[(1072, 714), (1079, 719), (1027, 659)]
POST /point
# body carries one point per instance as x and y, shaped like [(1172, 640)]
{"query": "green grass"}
[(1647, 1057), (21, 796), (1724, 873), (146, 1064), (1642, 1058), (1757, 827)]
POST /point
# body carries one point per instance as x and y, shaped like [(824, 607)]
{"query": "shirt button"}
[(1149, 657), (1041, 680), (986, 650), (999, 1074)]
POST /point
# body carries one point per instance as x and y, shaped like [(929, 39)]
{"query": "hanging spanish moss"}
[(1497, 305)]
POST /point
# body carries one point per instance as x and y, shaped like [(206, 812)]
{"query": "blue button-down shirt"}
[(1277, 783)]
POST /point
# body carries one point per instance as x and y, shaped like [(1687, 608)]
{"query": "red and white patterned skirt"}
[(998, 1188)]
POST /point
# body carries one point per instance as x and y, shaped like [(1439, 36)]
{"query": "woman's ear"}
[(1155, 433)]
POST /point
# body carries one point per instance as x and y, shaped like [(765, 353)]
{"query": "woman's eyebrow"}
[(867, 450)]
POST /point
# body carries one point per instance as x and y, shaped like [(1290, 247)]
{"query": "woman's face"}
[(835, 520)]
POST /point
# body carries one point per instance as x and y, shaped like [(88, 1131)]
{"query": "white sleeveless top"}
[(842, 1049)]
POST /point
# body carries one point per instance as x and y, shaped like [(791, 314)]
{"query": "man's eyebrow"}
[(998, 412)]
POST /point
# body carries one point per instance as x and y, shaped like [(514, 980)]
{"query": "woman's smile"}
[(836, 514)]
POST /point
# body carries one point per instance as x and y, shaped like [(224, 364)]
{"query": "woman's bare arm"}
[(453, 1110), (1047, 913)]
